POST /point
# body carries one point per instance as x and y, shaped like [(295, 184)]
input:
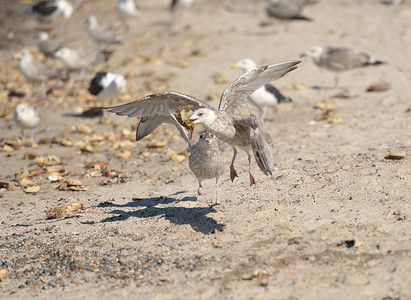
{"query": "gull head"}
[(245, 65), (92, 22), (207, 137), (203, 116), (23, 55), (315, 52), (121, 83), (43, 36), (62, 53), (20, 110)]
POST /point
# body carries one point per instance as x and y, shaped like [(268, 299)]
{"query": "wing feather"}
[(237, 92), (156, 109)]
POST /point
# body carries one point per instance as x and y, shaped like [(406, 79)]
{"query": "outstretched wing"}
[(237, 92), (160, 108)]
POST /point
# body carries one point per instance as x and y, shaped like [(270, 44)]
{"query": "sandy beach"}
[(333, 222)]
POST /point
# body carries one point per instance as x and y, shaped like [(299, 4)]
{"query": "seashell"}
[(32, 188), (326, 104), (396, 155), (123, 154), (157, 144), (73, 182), (30, 155), (379, 86), (7, 148), (26, 181), (99, 165), (80, 188)]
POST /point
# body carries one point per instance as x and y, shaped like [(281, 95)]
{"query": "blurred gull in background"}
[(339, 59), (264, 97)]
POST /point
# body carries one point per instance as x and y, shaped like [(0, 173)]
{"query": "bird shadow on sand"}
[(196, 217)]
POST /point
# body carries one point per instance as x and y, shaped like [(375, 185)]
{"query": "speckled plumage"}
[(206, 159)]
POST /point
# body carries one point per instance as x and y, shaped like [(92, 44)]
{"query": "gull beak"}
[(233, 66), (207, 136), (194, 120), (303, 54), (118, 88)]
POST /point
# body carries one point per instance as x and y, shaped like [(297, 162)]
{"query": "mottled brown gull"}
[(340, 59), (245, 133), (206, 160)]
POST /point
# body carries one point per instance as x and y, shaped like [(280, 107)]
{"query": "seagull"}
[(128, 8), (36, 71), (106, 85), (245, 133), (80, 59), (101, 35), (52, 8), (282, 9), (180, 3), (264, 97), (339, 59), (206, 160), (46, 45), (27, 117)]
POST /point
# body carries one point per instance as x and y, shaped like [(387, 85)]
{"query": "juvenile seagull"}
[(46, 45), (245, 133), (282, 9), (128, 8), (206, 160), (339, 59), (101, 35), (52, 8), (264, 97), (27, 117), (107, 85), (35, 71)]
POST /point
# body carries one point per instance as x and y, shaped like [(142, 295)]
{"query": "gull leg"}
[(200, 188), (233, 172), (216, 191), (336, 81), (263, 114), (252, 180), (43, 90)]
